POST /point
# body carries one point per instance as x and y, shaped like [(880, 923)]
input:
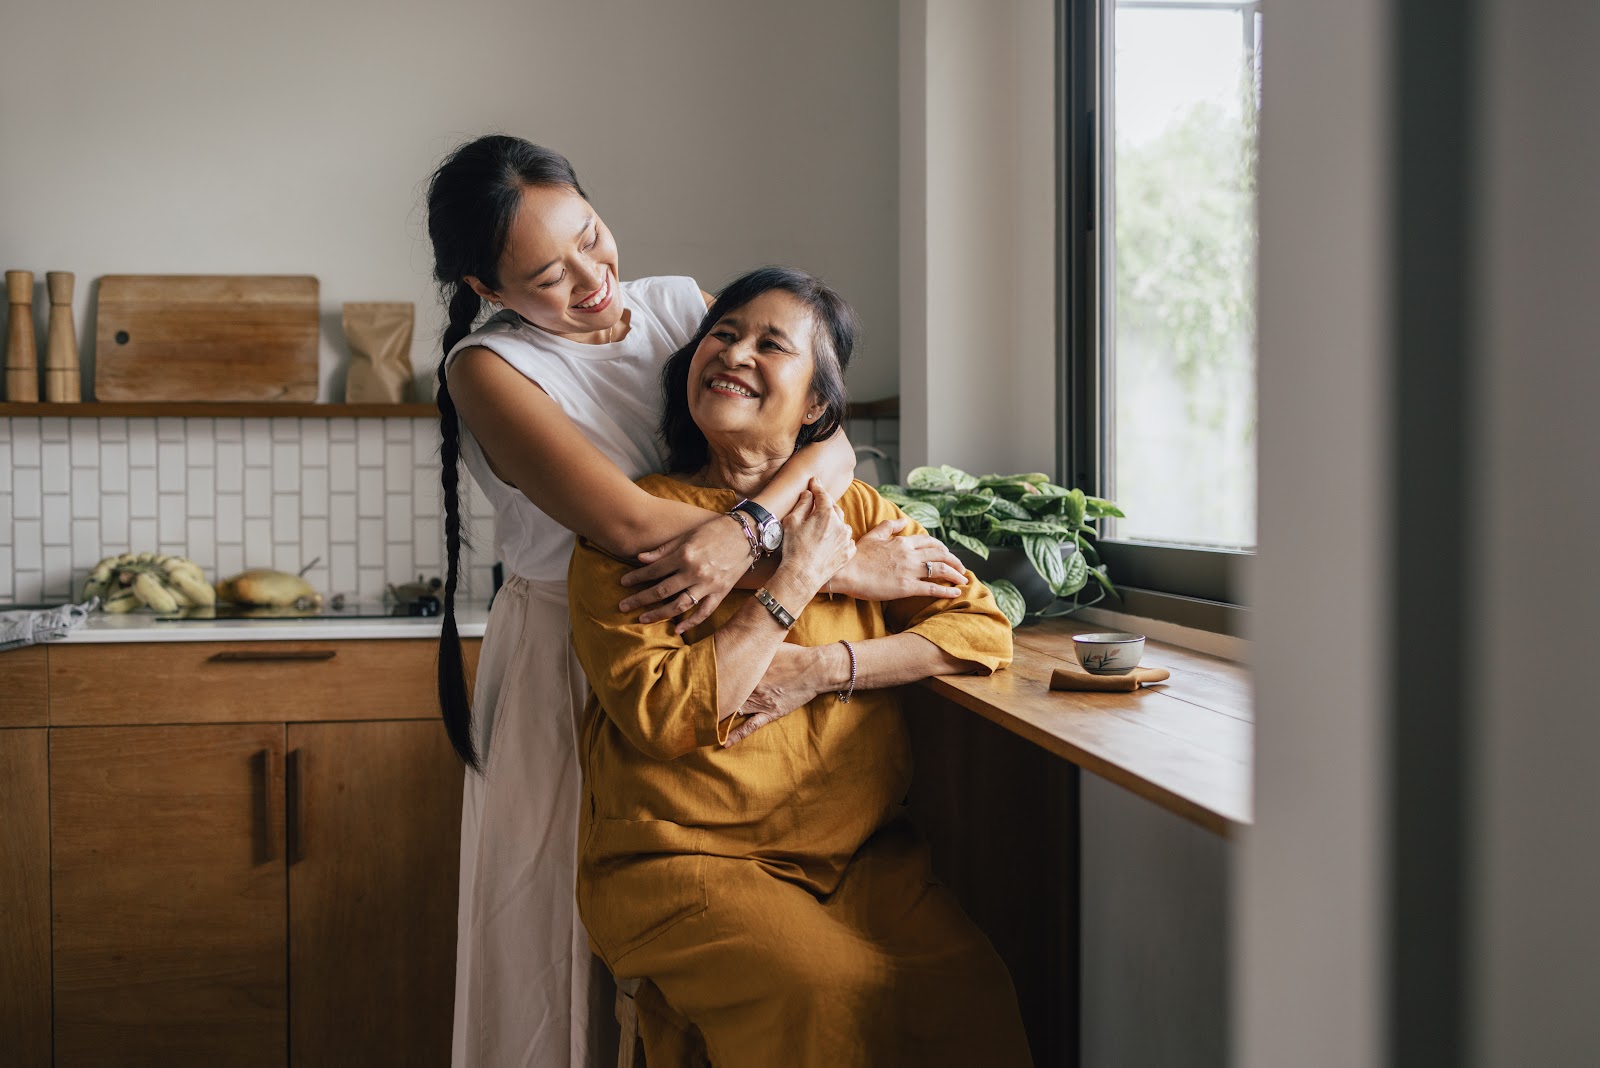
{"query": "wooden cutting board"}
[(206, 338)]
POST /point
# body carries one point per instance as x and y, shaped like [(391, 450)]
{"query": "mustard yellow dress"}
[(773, 891)]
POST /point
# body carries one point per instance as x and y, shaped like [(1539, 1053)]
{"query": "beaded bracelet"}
[(844, 695)]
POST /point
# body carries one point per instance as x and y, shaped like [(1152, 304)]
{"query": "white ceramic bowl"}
[(1108, 654)]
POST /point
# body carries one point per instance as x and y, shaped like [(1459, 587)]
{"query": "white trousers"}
[(529, 994)]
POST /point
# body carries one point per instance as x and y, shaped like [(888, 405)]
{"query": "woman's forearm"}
[(882, 663), (831, 462)]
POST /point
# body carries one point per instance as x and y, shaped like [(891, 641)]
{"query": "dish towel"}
[(18, 629)]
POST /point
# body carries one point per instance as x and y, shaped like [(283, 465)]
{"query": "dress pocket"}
[(638, 879)]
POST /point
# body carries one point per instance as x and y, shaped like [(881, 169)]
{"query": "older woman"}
[(744, 846)]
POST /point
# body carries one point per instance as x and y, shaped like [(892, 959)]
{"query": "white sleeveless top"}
[(611, 392)]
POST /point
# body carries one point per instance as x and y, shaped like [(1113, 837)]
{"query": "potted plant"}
[(1030, 540)]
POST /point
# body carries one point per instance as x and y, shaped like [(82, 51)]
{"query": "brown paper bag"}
[(380, 352)]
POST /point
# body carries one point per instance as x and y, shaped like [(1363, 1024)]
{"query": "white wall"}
[(978, 216), (978, 390), (1308, 947), (216, 136)]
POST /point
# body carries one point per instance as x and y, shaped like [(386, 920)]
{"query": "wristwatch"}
[(769, 532), (765, 599)]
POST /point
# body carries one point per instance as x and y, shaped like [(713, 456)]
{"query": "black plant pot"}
[(1014, 566)]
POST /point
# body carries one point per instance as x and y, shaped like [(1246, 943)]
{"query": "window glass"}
[(1180, 100)]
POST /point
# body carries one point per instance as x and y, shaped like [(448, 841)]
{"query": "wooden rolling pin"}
[(62, 382), (1068, 679), (22, 358)]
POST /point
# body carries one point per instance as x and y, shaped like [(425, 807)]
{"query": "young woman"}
[(553, 403)]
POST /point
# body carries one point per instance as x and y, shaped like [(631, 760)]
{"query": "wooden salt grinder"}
[(62, 383), (22, 359)]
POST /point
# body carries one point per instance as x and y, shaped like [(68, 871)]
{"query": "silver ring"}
[(929, 564), (693, 600)]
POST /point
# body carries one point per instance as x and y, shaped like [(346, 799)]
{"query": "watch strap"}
[(771, 604)]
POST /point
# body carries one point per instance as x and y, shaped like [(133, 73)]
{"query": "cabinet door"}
[(24, 899), (168, 881), (375, 829)]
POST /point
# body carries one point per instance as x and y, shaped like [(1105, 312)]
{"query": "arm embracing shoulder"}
[(660, 690), (534, 446)]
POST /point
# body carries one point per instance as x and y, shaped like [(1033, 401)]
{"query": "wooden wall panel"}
[(1000, 815)]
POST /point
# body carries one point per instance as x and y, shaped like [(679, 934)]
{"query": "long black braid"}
[(472, 199)]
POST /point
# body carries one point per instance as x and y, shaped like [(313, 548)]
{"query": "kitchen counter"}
[(142, 627)]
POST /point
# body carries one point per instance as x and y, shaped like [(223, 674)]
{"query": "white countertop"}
[(143, 627)]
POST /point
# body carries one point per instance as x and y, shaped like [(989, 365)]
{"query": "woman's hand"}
[(817, 542), (690, 574), (887, 567), (795, 677)]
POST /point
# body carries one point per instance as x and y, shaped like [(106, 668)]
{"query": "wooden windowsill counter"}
[(1185, 744)]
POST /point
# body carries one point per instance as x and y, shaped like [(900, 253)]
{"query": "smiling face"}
[(750, 378), (559, 267)]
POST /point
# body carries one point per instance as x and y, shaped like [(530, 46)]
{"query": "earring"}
[(495, 305)]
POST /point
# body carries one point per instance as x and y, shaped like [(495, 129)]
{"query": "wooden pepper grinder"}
[(22, 359), (62, 383)]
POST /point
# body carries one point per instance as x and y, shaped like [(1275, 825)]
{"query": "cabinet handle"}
[(270, 655), (261, 773), (294, 811)]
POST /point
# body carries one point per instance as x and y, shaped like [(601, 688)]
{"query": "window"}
[(1159, 247)]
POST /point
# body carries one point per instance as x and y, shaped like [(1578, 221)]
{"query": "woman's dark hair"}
[(833, 342), (472, 199)]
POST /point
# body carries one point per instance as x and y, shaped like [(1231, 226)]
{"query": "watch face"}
[(771, 537)]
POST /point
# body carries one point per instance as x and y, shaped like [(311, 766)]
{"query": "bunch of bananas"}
[(135, 580)]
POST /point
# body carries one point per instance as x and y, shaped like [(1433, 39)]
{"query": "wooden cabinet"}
[(167, 878), (241, 853), (24, 899), (375, 813)]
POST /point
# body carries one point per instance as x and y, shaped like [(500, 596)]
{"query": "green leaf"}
[(1010, 601), (1099, 575), (1029, 526), (958, 478), (971, 504), (1050, 489), (928, 478), (1034, 477), (922, 512), (1044, 553), (890, 491), (1099, 507), (1011, 489), (1005, 509), (1041, 504), (1076, 577), (968, 542), (1076, 503)]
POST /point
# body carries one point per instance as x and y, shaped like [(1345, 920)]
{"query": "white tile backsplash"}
[(142, 493), (85, 491), (361, 494)]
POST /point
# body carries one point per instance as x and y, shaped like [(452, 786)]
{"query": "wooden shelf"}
[(887, 408), (217, 410), (1185, 745)]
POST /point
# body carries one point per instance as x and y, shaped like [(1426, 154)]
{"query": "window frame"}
[(1191, 586)]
